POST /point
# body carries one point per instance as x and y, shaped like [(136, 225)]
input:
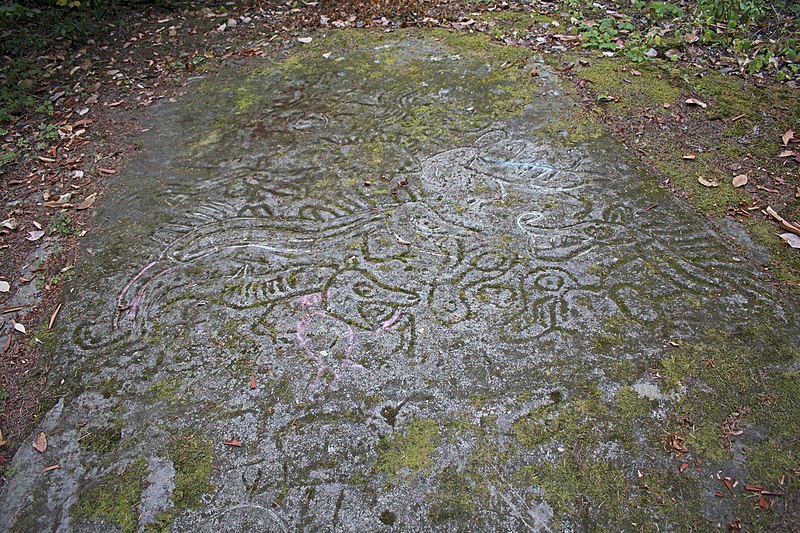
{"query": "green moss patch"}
[(191, 457), (735, 393), (114, 498), (405, 455), (453, 499), (102, 439), (165, 390), (652, 89)]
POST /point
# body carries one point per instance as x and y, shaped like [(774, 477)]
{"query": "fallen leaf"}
[(305, 40), (106, 170), (404, 242), (708, 183), (534, 71), (797, 192), (41, 443), (763, 503), (35, 235), (740, 180), (753, 488), (635, 72), (53, 316), (252, 380), (326, 55), (683, 467), (787, 153), (719, 494), (728, 484), (695, 101), (20, 327), (690, 156), (9, 223), (49, 468), (786, 137), (4, 286), (2, 440), (232, 442), (691, 38), (791, 239), (87, 202)]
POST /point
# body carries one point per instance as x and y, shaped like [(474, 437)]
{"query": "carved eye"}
[(550, 282)]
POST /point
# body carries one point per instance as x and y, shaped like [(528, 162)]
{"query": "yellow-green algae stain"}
[(500, 89), (405, 455)]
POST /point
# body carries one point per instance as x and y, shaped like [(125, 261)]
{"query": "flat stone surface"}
[(409, 305)]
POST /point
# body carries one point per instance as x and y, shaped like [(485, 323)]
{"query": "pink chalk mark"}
[(137, 300), (307, 303), (128, 286), (391, 321)]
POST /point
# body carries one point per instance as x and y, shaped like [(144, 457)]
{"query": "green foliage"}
[(666, 10), (604, 34), (732, 11), (62, 225), (48, 133)]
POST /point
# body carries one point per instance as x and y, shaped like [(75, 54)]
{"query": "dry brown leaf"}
[(107, 170), (797, 192), (684, 466), (708, 183), (763, 503), (49, 468), (695, 101), (87, 202), (252, 380), (41, 443), (2, 440), (787, 153), (728, 484), (740, 180), (232, 442), (690, 156), (786, 137)]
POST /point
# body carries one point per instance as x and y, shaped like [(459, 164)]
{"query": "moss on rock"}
[(405, 455), (114, 498)]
